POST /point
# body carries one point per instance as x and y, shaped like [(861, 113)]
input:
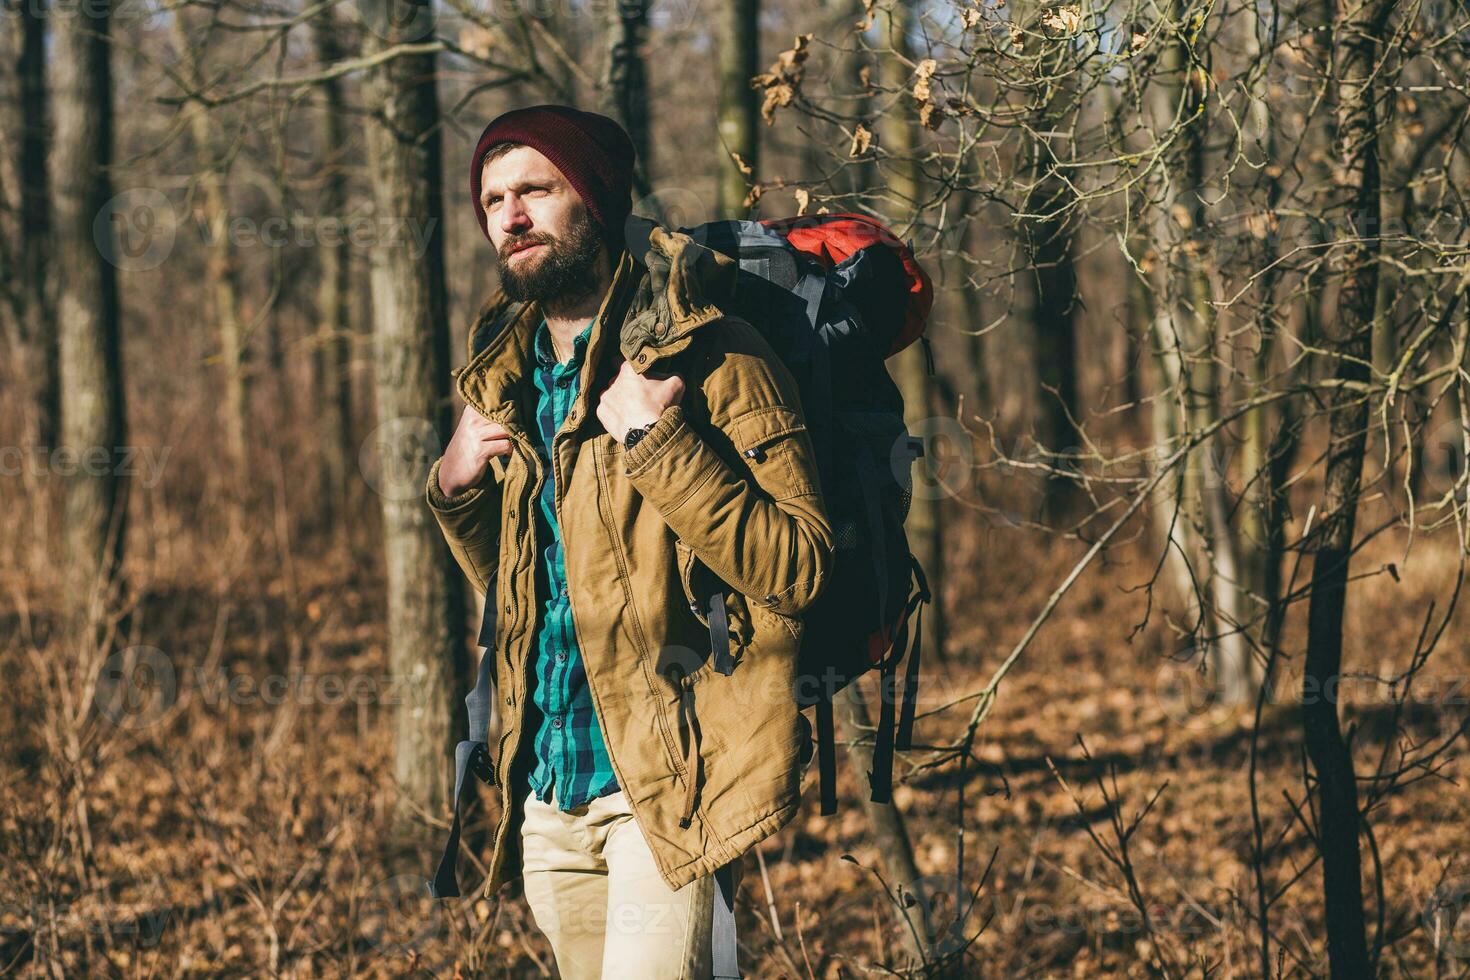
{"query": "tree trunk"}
[(898, 139), (1187, 333), (1048, 240), (1339, 820), (93, 425), (332, 346), (852, 723), (220, 251), (39, 337), (411, 358), (626, 82), (739, 106)]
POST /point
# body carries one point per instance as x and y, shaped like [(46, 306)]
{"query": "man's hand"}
[(634, 399), (468, 455)]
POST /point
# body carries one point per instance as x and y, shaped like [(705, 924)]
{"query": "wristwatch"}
[(633, 435)]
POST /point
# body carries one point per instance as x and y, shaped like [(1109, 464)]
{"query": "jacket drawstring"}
[(691, 760)]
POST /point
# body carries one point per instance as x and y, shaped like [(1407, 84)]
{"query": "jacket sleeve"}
[(470, 522), (763, 528)]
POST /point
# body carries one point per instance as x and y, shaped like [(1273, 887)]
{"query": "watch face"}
[(631, 439)]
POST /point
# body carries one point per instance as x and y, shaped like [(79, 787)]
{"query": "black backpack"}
[(836, 295)]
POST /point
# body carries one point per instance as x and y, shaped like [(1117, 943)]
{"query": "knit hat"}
[(592, 152)]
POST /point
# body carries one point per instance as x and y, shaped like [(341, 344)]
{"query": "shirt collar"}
[(547, 356)]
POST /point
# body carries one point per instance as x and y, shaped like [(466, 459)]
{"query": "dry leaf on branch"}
[(478, 41), (783, 78), (1062, 22), (861, 140), (921, 79)]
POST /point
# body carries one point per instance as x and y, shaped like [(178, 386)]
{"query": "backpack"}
[(835, 295)]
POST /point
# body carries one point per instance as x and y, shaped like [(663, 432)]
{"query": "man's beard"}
[(564, 272)]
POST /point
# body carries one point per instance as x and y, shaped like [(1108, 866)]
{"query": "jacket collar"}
[(664, 288)]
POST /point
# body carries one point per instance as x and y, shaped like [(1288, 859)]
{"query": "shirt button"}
[(509, 701), (556, 723), (561, 658)]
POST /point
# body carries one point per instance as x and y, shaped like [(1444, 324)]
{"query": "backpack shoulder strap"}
[(725, 949), (473, 754)]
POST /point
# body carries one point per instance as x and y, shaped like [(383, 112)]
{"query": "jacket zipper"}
[(521, 443)]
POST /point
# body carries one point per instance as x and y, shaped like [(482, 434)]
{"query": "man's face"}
[(548, 245)]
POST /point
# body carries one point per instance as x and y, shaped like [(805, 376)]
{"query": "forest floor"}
[(233, 817)]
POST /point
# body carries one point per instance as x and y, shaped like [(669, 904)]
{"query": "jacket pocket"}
[(768, 440)]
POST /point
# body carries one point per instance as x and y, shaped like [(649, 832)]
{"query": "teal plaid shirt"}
[(570, 751)]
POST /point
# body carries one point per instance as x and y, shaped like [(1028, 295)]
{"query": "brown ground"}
[(204, 833)]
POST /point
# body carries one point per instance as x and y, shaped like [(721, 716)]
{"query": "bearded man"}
[(626, 453)]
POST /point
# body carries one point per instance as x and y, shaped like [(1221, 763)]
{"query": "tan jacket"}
[(647, 532)]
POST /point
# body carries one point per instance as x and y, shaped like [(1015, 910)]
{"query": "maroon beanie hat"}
[(592, 152)]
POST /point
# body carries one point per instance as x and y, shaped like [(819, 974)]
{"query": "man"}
[(626, 453)]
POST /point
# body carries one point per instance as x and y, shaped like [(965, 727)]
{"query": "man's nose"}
[(513, 215)]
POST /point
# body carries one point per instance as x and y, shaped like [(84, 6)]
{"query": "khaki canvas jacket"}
[(722, 491)]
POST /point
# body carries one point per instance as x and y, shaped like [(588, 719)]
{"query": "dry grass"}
[(230, 815)]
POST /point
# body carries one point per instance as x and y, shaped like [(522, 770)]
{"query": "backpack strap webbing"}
[(724, 949), (881, 777), (905, 738), (719, 634), (471, 755), (826, 754)]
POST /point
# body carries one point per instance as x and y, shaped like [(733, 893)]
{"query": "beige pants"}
[(596, 893)]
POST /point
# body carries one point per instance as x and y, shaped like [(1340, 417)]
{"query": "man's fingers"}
[(495, 445)]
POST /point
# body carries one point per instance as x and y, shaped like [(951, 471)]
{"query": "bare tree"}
[(93, 419), (739, 108), (37, 338), (411, 372), (625, 82), (912, 367), (332, 343), (213, 158), (1357, 67)]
